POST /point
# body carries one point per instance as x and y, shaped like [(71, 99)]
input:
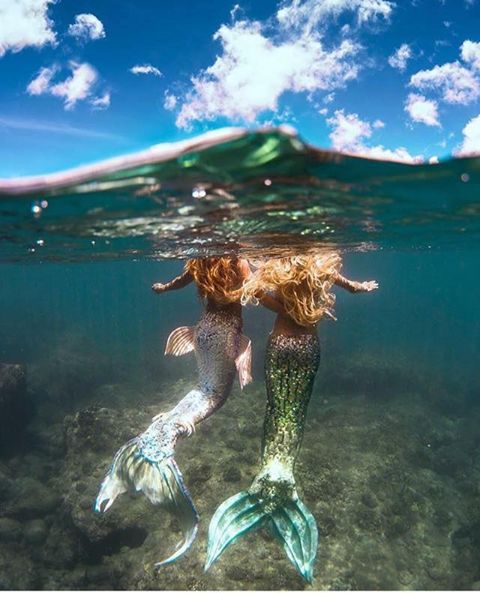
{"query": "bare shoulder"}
[(244, 267)]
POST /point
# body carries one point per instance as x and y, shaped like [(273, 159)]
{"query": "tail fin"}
[(296, 527), (292, 523), (234, 517), (160, 481)]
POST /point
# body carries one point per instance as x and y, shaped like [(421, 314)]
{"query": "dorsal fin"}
[(180, 341)]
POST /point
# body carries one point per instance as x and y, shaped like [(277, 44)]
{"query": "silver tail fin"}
[(160, 481)]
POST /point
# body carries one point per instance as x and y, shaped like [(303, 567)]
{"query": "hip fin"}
[(181, 341), (243, 362)]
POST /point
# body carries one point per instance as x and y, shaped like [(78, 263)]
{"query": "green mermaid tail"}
[(272, 500)]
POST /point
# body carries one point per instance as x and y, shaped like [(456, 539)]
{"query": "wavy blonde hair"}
[(303, 282), (217, 278)]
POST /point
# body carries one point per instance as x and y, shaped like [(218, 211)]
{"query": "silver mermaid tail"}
[(146, 463), (290, 368)]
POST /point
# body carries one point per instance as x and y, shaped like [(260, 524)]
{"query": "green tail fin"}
[(292, 523), (295, 526), (234, 517)]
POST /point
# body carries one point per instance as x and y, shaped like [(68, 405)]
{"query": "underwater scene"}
[(168, 417)]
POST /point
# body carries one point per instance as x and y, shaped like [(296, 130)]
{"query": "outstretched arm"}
[(353, 286), (178, 282)]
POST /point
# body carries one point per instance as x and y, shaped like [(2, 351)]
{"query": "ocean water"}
[(390, 462)]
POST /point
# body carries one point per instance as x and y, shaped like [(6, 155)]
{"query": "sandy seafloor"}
[(390, 463)]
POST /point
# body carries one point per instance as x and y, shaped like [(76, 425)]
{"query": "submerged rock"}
[(32, 499), (36, 532), (10, 530)]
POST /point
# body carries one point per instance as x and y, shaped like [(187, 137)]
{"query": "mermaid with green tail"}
[(298, 289)]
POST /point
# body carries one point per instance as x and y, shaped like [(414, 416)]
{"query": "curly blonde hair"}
[(303, 282), (217, 278)]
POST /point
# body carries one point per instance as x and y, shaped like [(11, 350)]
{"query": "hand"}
[(369, 285), (158, 287)]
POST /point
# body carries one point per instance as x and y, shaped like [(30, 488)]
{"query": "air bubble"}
[(198, 193), (465, 177), (36, 209)]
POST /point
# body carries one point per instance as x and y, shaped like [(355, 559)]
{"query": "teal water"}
[(390, 461)]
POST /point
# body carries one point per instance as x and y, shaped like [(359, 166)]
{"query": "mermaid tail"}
[(135, 470), (146, 463), (291, 523), (291, 365), (182, 341)]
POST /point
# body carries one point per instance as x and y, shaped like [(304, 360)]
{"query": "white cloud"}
[(310, 14), (456, 83), (348, 131), (76, 87), (471, 138), (145, 69), (41, 83), (87, 27), (170, 101), (471, 53), (101, 102), (378, 124), (433, 160), (254, 71), (25, 23), (349, 134), (398, 155), (400, 57), (422, 110), (260, 61)]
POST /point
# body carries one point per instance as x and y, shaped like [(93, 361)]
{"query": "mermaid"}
[(298, 289), (146, 463)]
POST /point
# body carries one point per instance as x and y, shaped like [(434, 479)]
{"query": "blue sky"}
[(88, 80)]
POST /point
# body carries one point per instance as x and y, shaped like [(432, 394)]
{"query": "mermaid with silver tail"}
[(298, 289), (146, 463)]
